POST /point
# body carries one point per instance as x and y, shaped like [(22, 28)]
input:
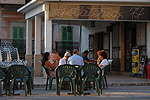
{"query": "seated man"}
[(76, 59), (85, 58), (64, 59)]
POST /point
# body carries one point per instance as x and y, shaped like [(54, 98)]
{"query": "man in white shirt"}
[(76, 59), (63, 61)]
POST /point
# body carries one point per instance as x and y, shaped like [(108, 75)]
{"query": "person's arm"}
[(82, 61), (58, 57), (51, 66), (89, 61)]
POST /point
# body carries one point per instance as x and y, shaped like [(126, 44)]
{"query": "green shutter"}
[(64, 33), (70, 33), (15, 33), (67, 33), (18, 33), (21, 33)]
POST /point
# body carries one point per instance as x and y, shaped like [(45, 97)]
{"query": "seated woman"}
[(46, 62), (102, 59)]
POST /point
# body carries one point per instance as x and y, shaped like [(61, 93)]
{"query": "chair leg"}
[(20, 85), (14, 86), (47, 82), (59, 88), (74, 86), (103, 83), (100, 85), (32, 82), (26, 88), (82, 87), (106, 83), (10, 87), (72, 89), (93, 85), (0, 89), (50, 83), (97, 87)]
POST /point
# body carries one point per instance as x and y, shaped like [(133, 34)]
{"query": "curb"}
[(109, 84)]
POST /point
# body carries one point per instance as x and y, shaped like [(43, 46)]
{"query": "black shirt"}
[(85, 58)]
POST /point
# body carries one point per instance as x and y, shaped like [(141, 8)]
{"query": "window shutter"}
[(15, 31), (70, 33), (64, 33), (21, 32)]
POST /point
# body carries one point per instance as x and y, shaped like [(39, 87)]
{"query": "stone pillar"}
[(122, 47), (48, 31), (148, 40), (37, 55), (29, 41)]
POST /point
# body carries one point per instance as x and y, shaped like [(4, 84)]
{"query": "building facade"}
[(12, 25), (117, 26)]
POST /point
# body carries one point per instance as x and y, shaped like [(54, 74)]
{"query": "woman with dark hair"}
[(46, 62), (102, 59)]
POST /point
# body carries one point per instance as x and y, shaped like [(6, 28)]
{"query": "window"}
[(67, 38), (18, 33), (67, 33), (18, 39)]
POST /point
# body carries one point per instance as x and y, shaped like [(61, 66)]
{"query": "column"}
[(148, 40), (48, 31), (122, 47), (37, 55), (29, 41)]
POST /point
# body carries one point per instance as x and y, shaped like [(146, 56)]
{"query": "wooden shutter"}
[(64, 33), (21, 32), (18, 33), (70, 33), (15, 33)]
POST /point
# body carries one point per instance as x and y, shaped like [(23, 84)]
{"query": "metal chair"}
[(66, 73), (91, 75)]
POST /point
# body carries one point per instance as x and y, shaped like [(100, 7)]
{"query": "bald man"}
[(76, 59)]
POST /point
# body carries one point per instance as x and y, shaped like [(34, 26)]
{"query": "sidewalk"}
[(113, 93), (113, 80)]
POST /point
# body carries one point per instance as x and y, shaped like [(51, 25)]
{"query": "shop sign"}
[(98, 12)]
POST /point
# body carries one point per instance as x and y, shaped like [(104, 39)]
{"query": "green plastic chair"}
[(104, 79), (18, 72), (32, 75), (90, 75), (66, 73), (2, 75), (49, 78)]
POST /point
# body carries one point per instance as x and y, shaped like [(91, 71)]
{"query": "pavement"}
[(113, 80), (112, 93), (121, 87)]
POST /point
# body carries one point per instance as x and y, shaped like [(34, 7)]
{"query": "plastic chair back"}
[(90, 70), (66, 71), (18, 71)]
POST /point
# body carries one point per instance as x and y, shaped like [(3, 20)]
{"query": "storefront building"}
[(115, 26)]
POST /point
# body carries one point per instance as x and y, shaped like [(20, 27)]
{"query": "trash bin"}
[(148, 69)]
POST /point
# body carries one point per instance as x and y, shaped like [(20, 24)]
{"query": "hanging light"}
[(92, 23)]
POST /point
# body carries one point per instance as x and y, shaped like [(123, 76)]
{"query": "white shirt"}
[(75, 60), (104, 63), (62, 61)]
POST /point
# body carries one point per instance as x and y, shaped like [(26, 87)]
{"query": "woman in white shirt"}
[(102, 59)]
